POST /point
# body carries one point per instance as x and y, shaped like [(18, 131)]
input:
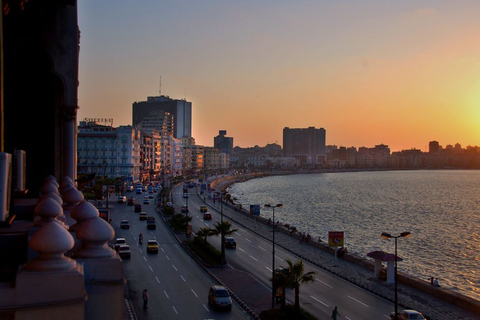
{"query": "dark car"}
[(138, 207), (131, 201), (124, 251), (151, 224), (230, 243), (143, 216), (124, 224), (184, 209), (219, 298)]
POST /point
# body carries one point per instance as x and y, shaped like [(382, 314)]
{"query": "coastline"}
[(357, 269)]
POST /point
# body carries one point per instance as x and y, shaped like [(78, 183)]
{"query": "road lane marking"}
[(326, 305), (174, 267), (241, 249), (166, 294), (150, 268), (174, 309), (238, 234), (326, 284), (363, 304), (253, 258), (279, 258), (196, 295), (206, 308), (167, 258), (162, 249), (183, 278), (144, 258), (269, 269), (140, 250), (157, 279), (248, 240), (262, 248)]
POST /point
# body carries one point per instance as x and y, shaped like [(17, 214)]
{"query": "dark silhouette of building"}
[(223, 143)]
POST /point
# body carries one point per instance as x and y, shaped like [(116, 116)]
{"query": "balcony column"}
[(69, 127)]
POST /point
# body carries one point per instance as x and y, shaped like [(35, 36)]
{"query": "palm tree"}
[(294, 276), (205, 232), (223, 229)]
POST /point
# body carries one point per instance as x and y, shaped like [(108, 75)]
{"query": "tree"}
[(205, 232), (223, 229), (294, 276)]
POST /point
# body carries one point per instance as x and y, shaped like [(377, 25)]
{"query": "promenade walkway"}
[(408, 297)]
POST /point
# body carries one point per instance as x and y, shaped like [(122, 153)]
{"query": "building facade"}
[(305, 144), (109, 151)]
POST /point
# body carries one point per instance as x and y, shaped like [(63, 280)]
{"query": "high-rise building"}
[(154, 111), (305, 144), (434, 147), (223, 143)]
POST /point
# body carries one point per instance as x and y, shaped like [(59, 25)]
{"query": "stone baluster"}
[(93, 232), (103, 267), (51, 279), (71, 198)]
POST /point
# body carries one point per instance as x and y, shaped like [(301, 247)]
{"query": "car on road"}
[(203, 209), (124, 224), (122, 199), (219, 298), (143, 216), (230, 243), (131, 201), (184, 209), (185, 195), (119, 242), (152, 246), (138, 207), (169, 204), (151, 224), (129, 188), (207, 216), (150, 196), (138, 191), (124, 251), (146, 201), (408, 315)]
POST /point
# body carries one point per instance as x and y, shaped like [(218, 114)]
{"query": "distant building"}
[(223, 143), (434, 147), (147, 113), (305, 144)]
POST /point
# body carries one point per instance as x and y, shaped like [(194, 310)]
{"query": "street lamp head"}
[(385, 235), (268, 206), (279, 205), (405, 234)]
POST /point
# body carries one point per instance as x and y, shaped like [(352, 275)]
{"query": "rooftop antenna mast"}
[(160, 87)]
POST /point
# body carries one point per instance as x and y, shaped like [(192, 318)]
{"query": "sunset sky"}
[(401, 73)]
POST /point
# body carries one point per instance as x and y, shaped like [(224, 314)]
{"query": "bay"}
[(441, 208)]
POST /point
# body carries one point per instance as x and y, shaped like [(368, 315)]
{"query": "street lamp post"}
[(273, 248), (385, 235)]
